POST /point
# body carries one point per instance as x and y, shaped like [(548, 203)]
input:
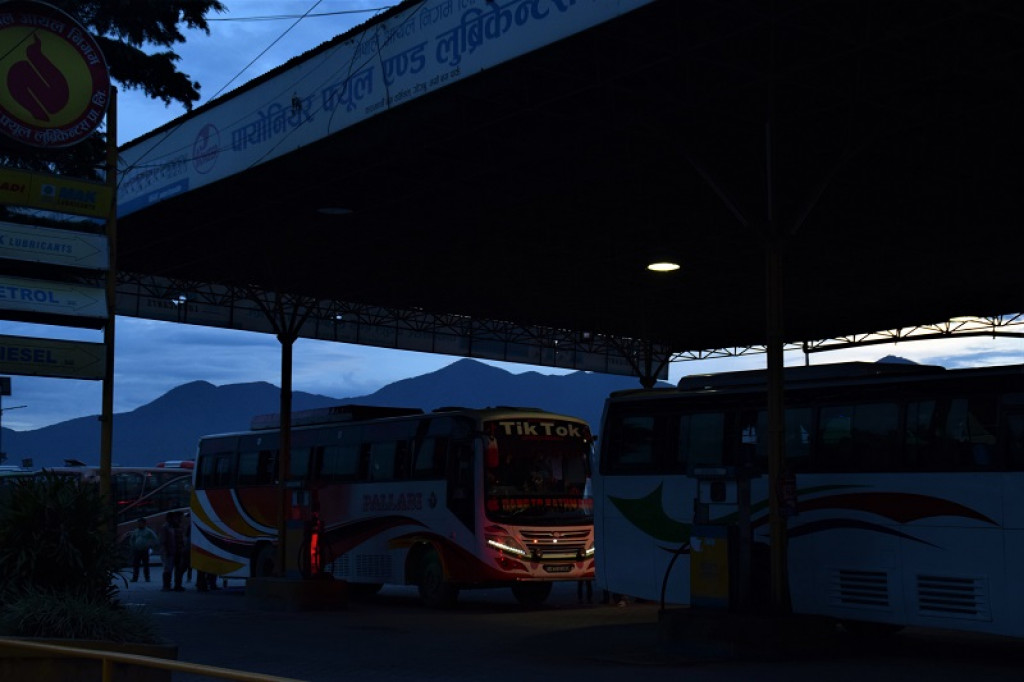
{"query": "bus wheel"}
[(263, 561), (434, 591), (531, 594)]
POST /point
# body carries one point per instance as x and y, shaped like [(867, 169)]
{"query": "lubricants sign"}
[(55, 84)]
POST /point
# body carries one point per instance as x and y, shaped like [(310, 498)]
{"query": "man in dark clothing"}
[(170, 541)]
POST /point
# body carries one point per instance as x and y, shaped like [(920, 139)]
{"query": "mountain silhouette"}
[(169, 427)]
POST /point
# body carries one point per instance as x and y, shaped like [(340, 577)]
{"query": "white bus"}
[(452, 499), (909, 490)]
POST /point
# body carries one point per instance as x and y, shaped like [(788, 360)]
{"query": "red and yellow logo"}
[(54, 83)]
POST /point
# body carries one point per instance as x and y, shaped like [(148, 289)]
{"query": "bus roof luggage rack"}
[(328, 415), (802, 374)]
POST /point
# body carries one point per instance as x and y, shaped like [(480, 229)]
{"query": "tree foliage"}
[(127, 32)]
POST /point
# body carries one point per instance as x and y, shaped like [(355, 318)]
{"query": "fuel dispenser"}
[(720, 542), (304, 529)]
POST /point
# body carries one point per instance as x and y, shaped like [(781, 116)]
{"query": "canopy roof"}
[(880, 141)]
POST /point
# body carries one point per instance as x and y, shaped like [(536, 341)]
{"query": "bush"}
[(58, 564), (54, 538), (39, 614)]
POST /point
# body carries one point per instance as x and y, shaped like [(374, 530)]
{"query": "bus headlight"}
[(506, 543), (589, 553)]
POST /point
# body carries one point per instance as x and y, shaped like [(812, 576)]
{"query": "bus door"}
[(461, 483)]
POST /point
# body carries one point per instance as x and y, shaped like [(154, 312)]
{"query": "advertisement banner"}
[(54, 193)]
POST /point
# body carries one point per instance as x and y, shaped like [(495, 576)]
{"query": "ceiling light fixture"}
[(663, 265)]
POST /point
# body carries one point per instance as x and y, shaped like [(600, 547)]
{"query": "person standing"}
[(141, 541), (182, 542), (170, 537), (585, 585)]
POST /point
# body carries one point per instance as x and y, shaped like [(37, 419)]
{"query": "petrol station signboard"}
[(54, 247), (52, 358), (57, 86)]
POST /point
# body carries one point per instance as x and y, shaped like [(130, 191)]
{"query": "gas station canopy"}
[(879, 143)]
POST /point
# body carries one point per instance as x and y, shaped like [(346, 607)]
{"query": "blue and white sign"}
[(52, 298), (52, 358), (57, 247), (427, 47)]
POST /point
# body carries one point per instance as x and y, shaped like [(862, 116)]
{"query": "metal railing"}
[(110, 658)]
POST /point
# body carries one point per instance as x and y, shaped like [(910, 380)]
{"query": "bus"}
[(446, 500), (905, 504), (137, 491)]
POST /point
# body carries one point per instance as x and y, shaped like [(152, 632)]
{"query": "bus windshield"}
[(537, 471)]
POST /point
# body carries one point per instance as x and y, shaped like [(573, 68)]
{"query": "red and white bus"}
[(447, 500), (136, 492)]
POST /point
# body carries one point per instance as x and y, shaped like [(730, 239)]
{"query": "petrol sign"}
[(52, 298)]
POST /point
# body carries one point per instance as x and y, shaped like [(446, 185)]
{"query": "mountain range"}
[(169, 427)]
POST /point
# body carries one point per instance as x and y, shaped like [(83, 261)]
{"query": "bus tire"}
[(531, 594), (434, 591), (264, 561)]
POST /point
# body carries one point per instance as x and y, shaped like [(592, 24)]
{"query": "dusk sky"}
[(152, 357)]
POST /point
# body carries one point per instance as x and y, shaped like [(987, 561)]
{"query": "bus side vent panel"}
[(859, 589), (339, 568), (953, 597), (373, 566)]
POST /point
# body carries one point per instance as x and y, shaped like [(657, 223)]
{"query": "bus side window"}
[(298, 463), (1014, 438), (968, 436), (222, 471), (382, 461), (171, 495), (919, 437), (702, 439), (214, 470), (339, 462), (799, 427), (429, 459), (835, 439), (127, 489), (863, 437), (255, 468), (631, 446)]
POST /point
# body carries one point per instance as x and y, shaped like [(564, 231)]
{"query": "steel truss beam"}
[(245, 308)]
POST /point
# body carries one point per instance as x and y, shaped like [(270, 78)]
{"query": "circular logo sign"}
[(54, 83), (205, 148)]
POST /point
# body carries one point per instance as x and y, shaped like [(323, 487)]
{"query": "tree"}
[(123, 28)]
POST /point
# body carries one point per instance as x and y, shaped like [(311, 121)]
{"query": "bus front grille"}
[(556, 544)]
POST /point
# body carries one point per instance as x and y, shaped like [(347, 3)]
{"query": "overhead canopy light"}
[(663, 265)]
